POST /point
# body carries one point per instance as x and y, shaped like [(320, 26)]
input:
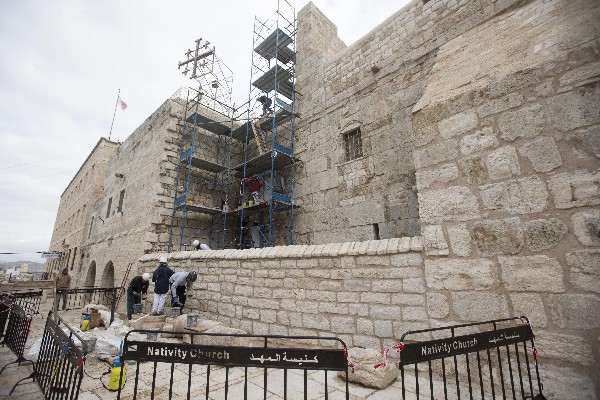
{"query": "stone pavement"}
[(92, 389)]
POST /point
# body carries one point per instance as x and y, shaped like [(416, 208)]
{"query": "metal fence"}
[(233, 367), (5, 304), (492, 359), (79, 298), (17, 332), (59, 369), (28, 299)]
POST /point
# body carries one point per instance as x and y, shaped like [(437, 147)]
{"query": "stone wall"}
[(73, 216), (507, 144), (370, 293), (143, 169)]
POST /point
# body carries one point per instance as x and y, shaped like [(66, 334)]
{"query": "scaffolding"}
[(235, 177), (265, 210), (204, 160)]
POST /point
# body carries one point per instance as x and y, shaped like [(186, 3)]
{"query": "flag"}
[(123, 104)]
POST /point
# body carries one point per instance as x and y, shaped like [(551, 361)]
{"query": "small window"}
[(353, 144), (121, 197), (108, 209)]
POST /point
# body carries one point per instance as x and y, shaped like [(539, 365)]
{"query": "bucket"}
[(192, 320), (152, 336), (137, 308), (175, 311)]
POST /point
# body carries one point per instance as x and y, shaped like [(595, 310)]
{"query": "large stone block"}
[(543, 234), (567, 383), (437, 305), (586, 226), (436, 153), (575, 189), (542, 153), (444, 174), (455, 203), (531, 306), (503, 163), (434, 241), (498, 236), (457, 124), (575, 311), (585, 271), (575, 109), (481, 140), (473, 169), (532, 274), (460, 240), (568, 348), (519, 196), (526, 122), (448, 274), (479, 306)]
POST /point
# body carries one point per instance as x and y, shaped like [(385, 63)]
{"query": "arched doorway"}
[(90, 278), (108, 276)]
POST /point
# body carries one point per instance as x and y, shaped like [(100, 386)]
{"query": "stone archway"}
[(108, 276), (90, 278)]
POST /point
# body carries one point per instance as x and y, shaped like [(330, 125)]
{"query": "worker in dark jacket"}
[(63, 284), (137, 287), (161, 285)]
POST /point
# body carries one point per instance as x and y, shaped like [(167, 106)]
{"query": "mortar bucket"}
[(192, 320), (175, 311), (152, 336), (137, 308)]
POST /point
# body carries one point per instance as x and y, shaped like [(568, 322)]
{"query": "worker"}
[(180, 283), (200, 246), (255, 234), (160, 277), (138, 287), (266, 104), (63, 284), (255, 186)]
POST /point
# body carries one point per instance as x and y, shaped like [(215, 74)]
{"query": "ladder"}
[(123, 288)]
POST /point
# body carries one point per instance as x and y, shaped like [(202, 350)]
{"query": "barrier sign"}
[(51, 254)]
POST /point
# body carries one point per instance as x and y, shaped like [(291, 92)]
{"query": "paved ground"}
[(178, 379)]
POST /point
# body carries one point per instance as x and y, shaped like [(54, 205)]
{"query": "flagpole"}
[(114, 113)]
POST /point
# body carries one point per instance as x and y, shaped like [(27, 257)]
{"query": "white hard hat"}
[(196, 242), (145, 276), (162, 259)]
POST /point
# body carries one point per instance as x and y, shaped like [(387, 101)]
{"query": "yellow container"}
[(85, 325), (115, 376), (250, 203)]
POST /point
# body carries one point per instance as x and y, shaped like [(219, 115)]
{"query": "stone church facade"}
[(450, 173)]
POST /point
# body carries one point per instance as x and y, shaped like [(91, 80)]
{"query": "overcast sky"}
[(64, 61)]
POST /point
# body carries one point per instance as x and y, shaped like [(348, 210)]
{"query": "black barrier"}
[(489, 359), (28, 299), (17, 332), (252, 364), (79, 298), (5, 304), (59, 369)]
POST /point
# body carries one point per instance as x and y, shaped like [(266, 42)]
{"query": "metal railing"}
[(492, 359), (17, 332), (246, 365), (79, 298)]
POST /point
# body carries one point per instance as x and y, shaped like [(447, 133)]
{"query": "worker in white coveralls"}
[(200, 246), (180, 283)]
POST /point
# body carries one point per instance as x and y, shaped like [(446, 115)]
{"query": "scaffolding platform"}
[(202, 163), (276, 44), (203, 122), (277, 78), (240, 132), (200, 209), (263, 163)]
